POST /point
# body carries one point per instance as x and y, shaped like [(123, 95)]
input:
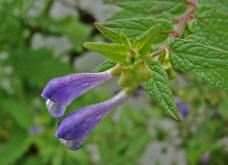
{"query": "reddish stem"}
[(184, 19), (181, 25), (191, 3), (175, 34)]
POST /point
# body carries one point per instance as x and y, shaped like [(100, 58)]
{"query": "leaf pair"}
[(121, 50)]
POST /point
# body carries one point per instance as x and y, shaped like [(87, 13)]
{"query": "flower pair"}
[(76, 126)]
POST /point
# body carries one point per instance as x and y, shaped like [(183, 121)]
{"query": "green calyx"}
[(127, 77), (131, 76), (116, 70), (172, 75), (167, 65), (131, 55), (143, 72), (131, 90)]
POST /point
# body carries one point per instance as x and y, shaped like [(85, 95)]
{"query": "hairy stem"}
[(182, 22), (158, 52)]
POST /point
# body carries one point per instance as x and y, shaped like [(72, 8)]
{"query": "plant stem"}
[(180, 29), (48, 7), (184, 20), (158, 52)]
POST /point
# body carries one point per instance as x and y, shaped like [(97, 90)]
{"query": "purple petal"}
[(76, 126), (206, 158), (184, 111), (35, 130), (183, 107), (138, 92), (178, 102), (60, 92)]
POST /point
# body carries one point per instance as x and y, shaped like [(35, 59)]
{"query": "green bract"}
[(132, 56)]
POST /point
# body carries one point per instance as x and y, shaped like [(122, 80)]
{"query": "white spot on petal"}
[(71, 144), (55, 109)]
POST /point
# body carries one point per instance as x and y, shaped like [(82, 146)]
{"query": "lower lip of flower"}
[(55, 109), (72, 144)]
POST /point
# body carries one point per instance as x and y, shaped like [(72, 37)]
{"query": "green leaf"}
[(188, 55), (110, 34), (212, 37), (41, 66), (212, 18), (58, 158), (222, 108), (217, 76), (138, 144), (147, 37), (137, 117), (76, 31), (158, 88), (214, 77), (105, 66), (10, 29), (209, 34), (135, 27), (124, 14), (154, 7), (115, 52), (17, 146), (69, 26), (27, 4), (204, 138), (220, 5), (206, 35), (18, 111)]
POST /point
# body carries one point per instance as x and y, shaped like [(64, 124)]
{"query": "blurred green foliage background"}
[(128, 136)]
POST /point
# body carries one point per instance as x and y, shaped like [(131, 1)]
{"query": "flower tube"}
[(60, 92), (76, 126)]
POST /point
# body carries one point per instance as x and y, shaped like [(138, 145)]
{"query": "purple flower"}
[(206, 157), (139, 91), (60, 92), (35, 130), (76, 126), (184, 111), (178, 102), (183, 108)]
